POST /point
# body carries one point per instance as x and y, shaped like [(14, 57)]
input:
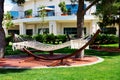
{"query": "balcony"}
[(22, 17)]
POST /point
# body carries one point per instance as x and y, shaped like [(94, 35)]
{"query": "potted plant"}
[(63, 8), (28, 13)]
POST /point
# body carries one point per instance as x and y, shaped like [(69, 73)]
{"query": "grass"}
[(107, 70), (110, 45)]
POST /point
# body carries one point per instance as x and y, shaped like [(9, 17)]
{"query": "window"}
[(72, 9), (43, 30), (73, 31), (13, 31), (14, 14), (70, 30), (29, 32), (51, 12)]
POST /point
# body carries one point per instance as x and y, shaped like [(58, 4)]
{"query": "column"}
[(35, 30), (22, 28), (53, 27)]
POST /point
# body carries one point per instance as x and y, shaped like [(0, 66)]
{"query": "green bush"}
[(46, 38), (26, 37), (38, 37), (49, 38), (61, 38), (106, 39), (8, 39), (9, 51)]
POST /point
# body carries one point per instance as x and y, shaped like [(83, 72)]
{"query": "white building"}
[(54, 21)]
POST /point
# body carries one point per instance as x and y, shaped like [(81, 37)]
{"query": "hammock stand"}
[(61, 58)]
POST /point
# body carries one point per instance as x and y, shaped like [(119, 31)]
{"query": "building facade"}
[(27, 21)]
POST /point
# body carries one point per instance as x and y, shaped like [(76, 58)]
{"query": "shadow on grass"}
[(88, 52), (7, 71), (101, 53), (65, 50)]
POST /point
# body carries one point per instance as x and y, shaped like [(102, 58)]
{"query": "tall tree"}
[(81, 12), (109, 14), (2, 33), (80, 18), (19, 2)]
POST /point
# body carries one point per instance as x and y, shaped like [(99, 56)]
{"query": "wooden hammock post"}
[(61, 61)]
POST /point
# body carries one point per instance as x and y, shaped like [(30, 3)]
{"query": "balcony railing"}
[(22, 15)]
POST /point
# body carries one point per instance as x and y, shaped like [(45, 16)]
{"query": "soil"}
[(23, 61)]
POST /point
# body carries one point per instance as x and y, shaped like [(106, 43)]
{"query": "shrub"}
[(49, 38), (61, 38), (26, 37), (106, 39), (38, 37), (8, 39), (46, 38)]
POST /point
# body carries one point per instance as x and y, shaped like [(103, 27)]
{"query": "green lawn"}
[(109, 45), (107, 70)]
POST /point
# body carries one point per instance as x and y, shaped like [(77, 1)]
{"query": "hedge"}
[(106, 39)]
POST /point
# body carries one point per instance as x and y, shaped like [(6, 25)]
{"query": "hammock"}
[(47, 47)]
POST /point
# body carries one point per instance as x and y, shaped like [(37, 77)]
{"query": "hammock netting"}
[(77, 43)]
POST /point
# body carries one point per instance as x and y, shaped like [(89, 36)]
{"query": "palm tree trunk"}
[(2, 33)]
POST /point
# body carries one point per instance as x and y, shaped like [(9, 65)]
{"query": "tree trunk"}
[(2, 33), (80, 24), (2, 43), (80, 21)]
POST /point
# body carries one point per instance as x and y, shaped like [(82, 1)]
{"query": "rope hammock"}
[(49, 47), (82, 44)]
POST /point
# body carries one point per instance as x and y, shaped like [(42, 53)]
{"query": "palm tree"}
[(2, 33)]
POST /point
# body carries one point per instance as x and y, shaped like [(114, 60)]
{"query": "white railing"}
[(22, 15)]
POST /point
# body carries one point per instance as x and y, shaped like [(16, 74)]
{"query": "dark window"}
[(73, 31), (70, 30), (29, 31), (13, 31)]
